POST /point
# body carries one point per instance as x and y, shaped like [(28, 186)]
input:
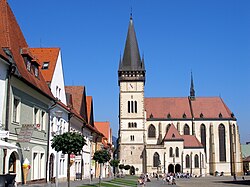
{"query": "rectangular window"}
[(43, 120), (16, 110), (37, 118)]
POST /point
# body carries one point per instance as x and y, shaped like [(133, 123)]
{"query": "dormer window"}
[(45, 65), (28, 64), (184, 115), (36, 71), (169, 115), (201, 115), (220, 115)]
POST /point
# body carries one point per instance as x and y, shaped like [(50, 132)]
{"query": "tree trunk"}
[(68, 171)]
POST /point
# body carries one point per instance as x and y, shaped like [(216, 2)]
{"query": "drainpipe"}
[(48, 140)]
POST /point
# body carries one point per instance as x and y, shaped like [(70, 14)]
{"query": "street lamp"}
[(58, 115), (90, 154)]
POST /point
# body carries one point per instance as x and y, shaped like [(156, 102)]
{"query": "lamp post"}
[(58, 115), (90, 154)]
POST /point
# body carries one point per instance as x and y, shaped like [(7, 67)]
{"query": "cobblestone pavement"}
[(192, 182)]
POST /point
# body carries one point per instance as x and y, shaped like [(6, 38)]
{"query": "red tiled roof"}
[(161, 107), (210, 107), (104, 128), (46, 55), (191, 141), (12, 37), (77, 93), (172, 134), (207, 107), (89, 101)]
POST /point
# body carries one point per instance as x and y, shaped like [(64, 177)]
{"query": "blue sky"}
[(209, 37)]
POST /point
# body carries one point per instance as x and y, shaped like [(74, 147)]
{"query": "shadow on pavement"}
[(240, 182)]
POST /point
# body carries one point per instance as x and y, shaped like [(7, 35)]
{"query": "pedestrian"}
[(91, 174), (234, 177)]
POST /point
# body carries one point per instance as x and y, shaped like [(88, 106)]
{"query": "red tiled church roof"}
[(210, 107), (172, 134), (47, 55), (11, 37), (161, 107), (191, 141), (177, 108)]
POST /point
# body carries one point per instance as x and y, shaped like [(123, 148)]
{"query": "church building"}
[(196, 135)]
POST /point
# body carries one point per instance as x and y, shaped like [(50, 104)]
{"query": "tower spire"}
[(192, 91), (131, 65)]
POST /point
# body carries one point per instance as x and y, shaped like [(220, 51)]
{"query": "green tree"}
[(101, 156), (68, 143), (114, 163), (127, 167)]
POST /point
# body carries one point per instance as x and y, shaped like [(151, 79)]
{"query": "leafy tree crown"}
[(102, 156), (68, 142)]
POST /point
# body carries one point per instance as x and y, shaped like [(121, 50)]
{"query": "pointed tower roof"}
[(192, 92), (131, 60), (131, 67)]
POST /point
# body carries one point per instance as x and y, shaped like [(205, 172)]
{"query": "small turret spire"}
[(131, 13), (192, 91)]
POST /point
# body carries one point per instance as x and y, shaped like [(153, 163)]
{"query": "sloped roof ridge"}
[(165, 97), (226, 107)]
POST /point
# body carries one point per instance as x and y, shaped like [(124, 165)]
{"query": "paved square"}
[(204, 182)]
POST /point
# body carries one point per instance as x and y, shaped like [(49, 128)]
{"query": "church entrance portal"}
[(170, 168), (177, 168)]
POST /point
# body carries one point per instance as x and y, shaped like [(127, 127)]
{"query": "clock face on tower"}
[(131, 86)]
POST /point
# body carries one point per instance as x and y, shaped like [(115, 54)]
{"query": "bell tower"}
[(131, 79)]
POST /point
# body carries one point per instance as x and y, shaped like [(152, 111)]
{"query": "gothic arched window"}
[(203, 136), (151, 131), (187, 161), (186, 130), (176, 152), (222, 142), (156, 160), (135, 106), (171, 152), (196, 161)]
